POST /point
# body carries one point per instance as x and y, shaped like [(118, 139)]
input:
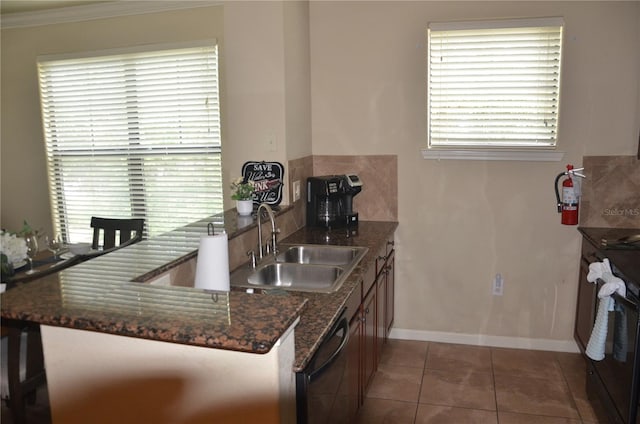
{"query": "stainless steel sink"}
[(287, 275), (319, 254), (302, 267)]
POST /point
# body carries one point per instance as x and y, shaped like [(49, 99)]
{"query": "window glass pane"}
[(494, 87), (133, 135)]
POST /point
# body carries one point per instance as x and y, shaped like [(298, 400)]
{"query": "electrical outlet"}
[(296, 190), (498, 285)]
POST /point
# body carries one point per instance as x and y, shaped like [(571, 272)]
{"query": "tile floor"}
[(427, 383)]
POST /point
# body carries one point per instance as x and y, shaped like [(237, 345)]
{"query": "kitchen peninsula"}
[(165, 369)]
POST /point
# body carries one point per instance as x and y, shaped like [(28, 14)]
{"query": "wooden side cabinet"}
[(381, 306), (385, 267), (390, 291), (370, 323), (354, 351), (369, 354)]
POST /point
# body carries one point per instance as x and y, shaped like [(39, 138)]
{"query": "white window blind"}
[(494, 84), (132, 135)]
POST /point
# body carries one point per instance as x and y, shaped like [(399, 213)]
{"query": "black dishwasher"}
[(320, 394)]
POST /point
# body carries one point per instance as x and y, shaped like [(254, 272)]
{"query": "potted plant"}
[(243, 195)]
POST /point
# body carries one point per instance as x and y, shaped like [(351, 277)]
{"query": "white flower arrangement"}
[(13, 247), (242, 190)]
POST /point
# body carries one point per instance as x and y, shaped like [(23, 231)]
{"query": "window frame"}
[(490, 151), (152, 161)]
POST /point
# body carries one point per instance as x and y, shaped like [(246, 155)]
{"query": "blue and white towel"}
[(612, 284)]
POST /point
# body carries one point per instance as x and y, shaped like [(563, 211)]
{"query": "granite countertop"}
[(101, 295)]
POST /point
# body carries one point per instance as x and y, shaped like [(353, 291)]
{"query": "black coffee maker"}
[(330, 200)]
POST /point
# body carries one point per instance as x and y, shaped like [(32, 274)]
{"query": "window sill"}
[(470, 154)]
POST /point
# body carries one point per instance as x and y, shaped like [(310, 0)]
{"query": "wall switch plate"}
[(296, 190), (498, 285)]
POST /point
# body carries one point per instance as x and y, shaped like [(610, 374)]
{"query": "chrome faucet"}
[(274, 232)]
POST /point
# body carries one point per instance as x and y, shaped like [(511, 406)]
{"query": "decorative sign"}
[(268, 179)]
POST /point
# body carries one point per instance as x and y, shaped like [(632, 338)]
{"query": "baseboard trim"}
[(486, 340)]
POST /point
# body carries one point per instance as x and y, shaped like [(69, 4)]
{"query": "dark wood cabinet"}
[(372, 317), (369, 354), (381, 306), (353, 384), (390, 290)]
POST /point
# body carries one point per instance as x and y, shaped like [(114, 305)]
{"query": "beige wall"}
[(24, 181), (461, 222), (267, 84), (260, 43)]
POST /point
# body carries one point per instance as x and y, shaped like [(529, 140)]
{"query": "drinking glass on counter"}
[(32, 250), (54, 244)]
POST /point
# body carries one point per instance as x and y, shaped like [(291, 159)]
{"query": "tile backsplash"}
[(378, 200), (611, 192)]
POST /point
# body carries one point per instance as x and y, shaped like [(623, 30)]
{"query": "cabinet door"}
[(354, 372), (381, 305), (369, 337), (390, 291), (381, 259)]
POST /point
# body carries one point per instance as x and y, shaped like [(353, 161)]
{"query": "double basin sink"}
[(302, 267)]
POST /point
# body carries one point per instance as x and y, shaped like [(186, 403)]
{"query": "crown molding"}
[(96, 11)]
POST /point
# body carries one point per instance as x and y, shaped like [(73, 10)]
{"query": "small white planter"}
[(244, 207)]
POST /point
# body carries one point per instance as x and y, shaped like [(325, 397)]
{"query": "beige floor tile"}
[(525, 363), (396, 383), (436, 414), (535, 396), (405, 353), (571, 363), (463, 384), (514, 418), (585, 410), (466, 389), (383, 411), (441, 356)]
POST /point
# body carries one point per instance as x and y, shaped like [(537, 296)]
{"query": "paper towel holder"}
[(211, 229)]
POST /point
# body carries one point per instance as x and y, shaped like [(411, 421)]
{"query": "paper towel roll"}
[(212, 266)]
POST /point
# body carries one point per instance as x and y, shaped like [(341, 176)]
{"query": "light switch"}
[(296, 190)]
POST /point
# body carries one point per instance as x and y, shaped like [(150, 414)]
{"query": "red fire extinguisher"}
[(569, 204)]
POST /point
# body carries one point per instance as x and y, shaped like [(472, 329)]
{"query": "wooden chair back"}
[(110, 227)]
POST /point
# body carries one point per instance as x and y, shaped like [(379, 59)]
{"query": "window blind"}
[(494, 84), (132, 135)]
